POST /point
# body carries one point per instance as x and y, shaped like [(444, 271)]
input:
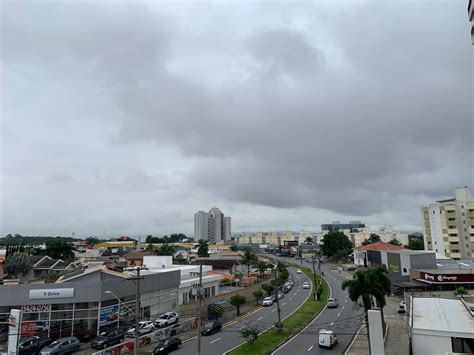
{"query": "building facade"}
[(359, 235), (336, 225), (212, 226), (448, 225)]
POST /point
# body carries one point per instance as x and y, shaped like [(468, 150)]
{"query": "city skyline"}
[(278, 113)]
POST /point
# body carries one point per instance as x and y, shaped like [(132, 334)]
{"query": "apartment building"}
[(212, 226), (449, 225), (270, 238)]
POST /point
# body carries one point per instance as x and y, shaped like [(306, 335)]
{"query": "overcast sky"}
[(126, 118)]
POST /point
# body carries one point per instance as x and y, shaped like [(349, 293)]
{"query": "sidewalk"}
[(397, 340)]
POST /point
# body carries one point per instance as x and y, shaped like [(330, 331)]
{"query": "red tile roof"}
[(380, 246)]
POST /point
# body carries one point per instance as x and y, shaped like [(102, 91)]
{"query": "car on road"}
[(165, 346), (144, 327), (62, 346), (299, 271), (332, 302), (105, 340), (267, 301), (327, 339), (306, 284), (211, 327), (402, 307), (167, 319), (31, 345)]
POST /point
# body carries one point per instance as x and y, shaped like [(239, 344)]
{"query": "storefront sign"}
[(51, 293), (13, 331), (109, 314), (35, 308), (446, 278)]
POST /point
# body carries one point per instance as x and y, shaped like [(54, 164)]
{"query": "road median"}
[(273, 338)]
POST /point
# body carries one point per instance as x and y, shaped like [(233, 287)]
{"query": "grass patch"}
[(272, 339)]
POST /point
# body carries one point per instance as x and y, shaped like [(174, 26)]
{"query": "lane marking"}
[(259, 318), (338, 315), (294, 294), (274, 310), (241, 328), (331, 324), (310, 348), (291, 298), (215, 340), (283, 304)]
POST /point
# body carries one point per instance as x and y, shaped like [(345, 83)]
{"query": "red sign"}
[(446, 278)]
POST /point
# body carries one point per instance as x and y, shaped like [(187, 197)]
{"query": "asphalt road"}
[(343, 320), (263, 318)]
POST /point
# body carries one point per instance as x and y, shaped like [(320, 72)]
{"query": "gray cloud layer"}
[(128, 117)]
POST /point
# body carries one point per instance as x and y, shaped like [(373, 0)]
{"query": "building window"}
[(405, 269), (463, 214), (433, 212), (462, 345)]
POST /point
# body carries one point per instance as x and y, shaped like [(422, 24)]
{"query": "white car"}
[(267, 301), (299, 271), (167, 319), (144, 327), (305, 284), (332, 302)]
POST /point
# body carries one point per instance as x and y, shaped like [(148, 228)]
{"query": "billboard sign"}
[(51, 293), (446, 278), (109, 314)]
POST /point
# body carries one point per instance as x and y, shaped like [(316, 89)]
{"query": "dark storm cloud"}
[(360, 112)]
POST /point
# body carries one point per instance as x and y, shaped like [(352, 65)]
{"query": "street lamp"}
[(119, 300)]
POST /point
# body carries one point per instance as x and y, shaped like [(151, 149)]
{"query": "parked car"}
[(62, 346), (299, 271), (165, 346), (32, 345), (167, 319), (144, 327), (327, 339), (332, 302), (211, 327), (105, 340), (267, 301), (305, 284), (402, 307)]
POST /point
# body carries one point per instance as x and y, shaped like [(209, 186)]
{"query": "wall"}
[(423, 261), (430, 344)]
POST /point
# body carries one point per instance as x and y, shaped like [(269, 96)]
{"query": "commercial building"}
[(212, 226), (336, 226), (270, 238), (441, 326), (189, 277), (449, 225), (85, 302)]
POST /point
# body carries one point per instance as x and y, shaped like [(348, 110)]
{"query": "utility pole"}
[(277, 299), (199, 321), (136, 281), (315, 282)]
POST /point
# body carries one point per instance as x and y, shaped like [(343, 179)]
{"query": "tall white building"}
[(448, 225), (212, 226)]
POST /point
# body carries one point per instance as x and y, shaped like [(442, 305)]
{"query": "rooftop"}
[(380, 246), (431, 315)]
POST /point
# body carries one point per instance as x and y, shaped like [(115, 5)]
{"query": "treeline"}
[(173, 238), (19, 239)]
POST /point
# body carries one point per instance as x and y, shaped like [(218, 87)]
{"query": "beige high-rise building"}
[(448, 225)]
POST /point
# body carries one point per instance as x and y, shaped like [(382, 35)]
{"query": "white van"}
[(327, 339)]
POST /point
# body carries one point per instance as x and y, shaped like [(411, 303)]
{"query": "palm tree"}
[(203, 248), (309, 240), (248, 259), (262, 266), (381, 286)]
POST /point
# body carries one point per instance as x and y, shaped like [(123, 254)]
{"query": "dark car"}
[(211, 327), (165, 346), (107, 339), (32, 345), (62, 346)]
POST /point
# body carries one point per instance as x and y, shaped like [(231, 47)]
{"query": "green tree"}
[(58, 249), (395, 241), (17, 264), (258, 294), (165, 249), (92, 240), (381, 286), (234, 247), (248, 259), (268, 289), (237, 301), (416, 244), (262, 266), (203, 248), (461, 291), (373, 238), (336, 245), (309, 240), (250, 334)]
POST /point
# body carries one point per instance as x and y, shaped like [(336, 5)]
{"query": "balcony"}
[(452, 224), (453, 231), (449, 208), (450, 215), (472, 240), (455, 255), (453, 239)]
